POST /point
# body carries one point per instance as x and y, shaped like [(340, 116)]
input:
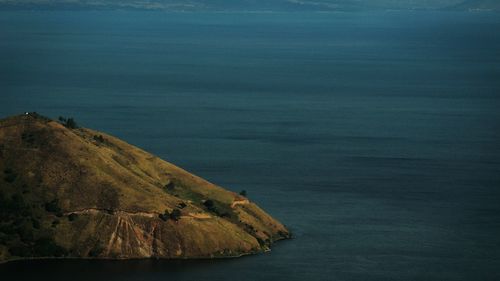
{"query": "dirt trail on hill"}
[(95, 211)]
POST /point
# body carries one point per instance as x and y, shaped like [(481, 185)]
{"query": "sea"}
[(374, 136)]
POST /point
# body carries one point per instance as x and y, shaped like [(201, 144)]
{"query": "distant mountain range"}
[(254, 5), (479, 5)]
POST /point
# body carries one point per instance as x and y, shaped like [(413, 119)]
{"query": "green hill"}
[(76, 192)]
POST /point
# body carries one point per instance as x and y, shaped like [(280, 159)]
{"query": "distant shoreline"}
[(180, 8)]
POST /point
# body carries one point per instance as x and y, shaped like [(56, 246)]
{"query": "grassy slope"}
[(117, 192)]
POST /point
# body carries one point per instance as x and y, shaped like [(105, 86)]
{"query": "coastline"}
[(267, 250)]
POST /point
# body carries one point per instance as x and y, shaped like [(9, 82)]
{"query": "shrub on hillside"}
[(46, 247), (53, 207), (69, 123), (96, 251), (28, 137), (209, 204), (20, 250), (99, 138), (9, 175), (175, 215), (165, 216), (170, 186), (72, 217)]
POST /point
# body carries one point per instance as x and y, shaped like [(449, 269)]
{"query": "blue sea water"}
[(374, 136)]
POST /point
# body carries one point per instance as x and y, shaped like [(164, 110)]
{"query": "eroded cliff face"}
[(140, 235), (128, 235), (81, 193)]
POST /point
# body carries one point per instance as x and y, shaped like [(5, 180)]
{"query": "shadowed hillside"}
[(75, 192)]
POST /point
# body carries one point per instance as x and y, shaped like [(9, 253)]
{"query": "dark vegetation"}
[(21, 231), (175, 215), (96, 251), (209, 204), (169, 186), (9, 175), (35, 223), (28, 137), (177, 189), (243, 193), (69, 123), (263, 242), (24, 228), (35, 138), (53, 207), (218, 209), (43, 247), (47, 247), (99, 138), (55, 222), (72, 217), (34, 114), (165, 216)]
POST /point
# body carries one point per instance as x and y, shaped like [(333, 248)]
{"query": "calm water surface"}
[(374, 136)]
